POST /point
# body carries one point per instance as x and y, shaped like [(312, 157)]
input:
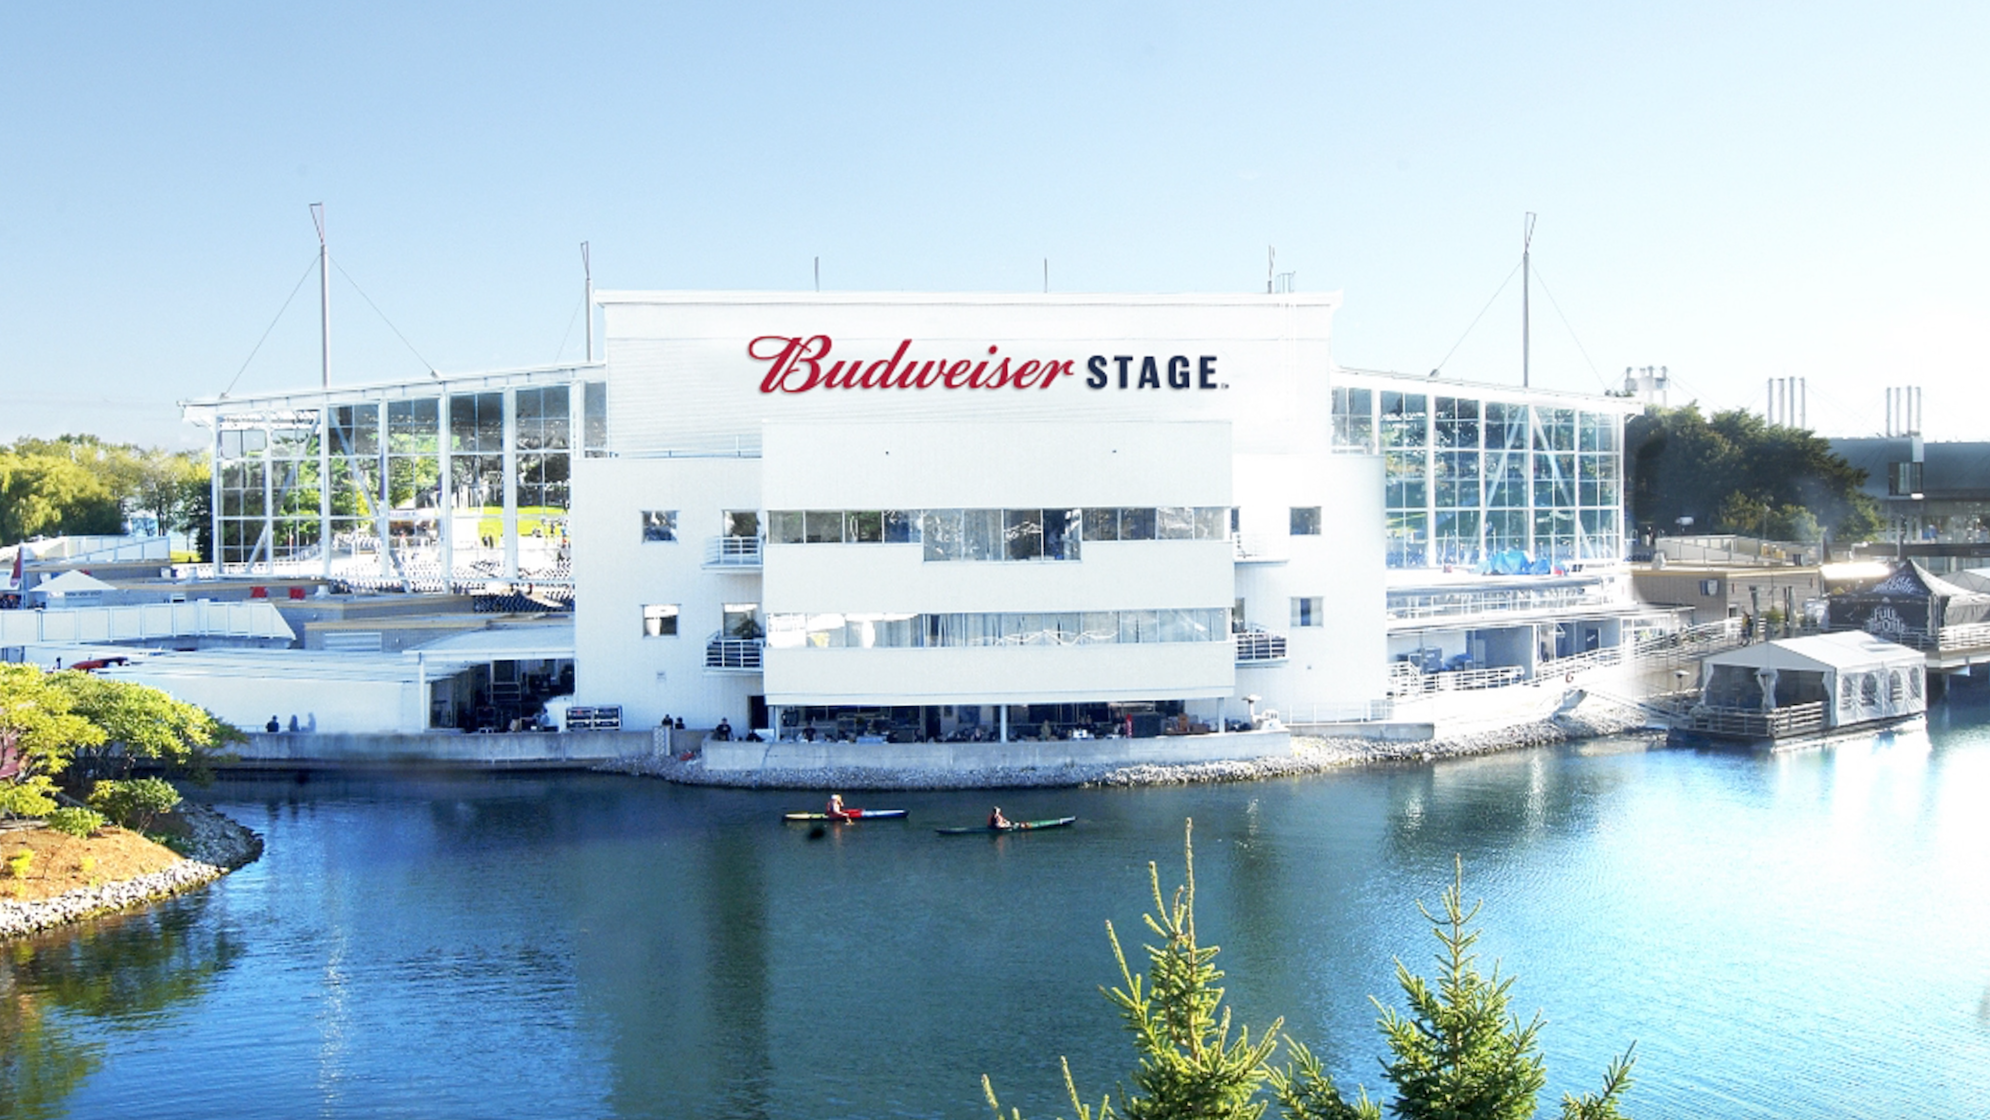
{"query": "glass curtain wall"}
[(422, 492), (1470, 481)]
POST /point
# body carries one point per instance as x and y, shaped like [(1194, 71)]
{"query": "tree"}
[(79, 484), (1732, 472), (39, 733), (1460, 1054), (139, 723)]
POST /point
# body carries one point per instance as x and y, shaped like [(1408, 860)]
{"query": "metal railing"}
[(741, 654), (1258, 646), (1408, 606), (733, 552), (1257, 550), (1752, 723), (1406, 679)]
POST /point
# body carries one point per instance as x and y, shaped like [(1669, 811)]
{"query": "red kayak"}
[(845, 816)]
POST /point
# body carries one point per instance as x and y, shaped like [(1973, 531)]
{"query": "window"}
[(1305, 521), (659, 525), (741, 621), (1869, 689), (1894, 687), (1308, 611), (740, 523), (660, 620), (1710, 587)]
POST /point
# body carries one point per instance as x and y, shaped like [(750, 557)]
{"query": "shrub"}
[(17, 864), (135, 802), (79, 823)]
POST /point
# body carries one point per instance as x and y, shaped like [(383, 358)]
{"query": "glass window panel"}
[(1354, 421), (1101, 524), (941, 530), (901, 526), (864, 526), (739, 523), (1305, 521), (785, 526), (1136, 524), (594, 399), (1174, 523), (1098, 628), (823, 526), (981, 534), (1022, 534), (659, 525), (1211, 523), (1139, 626), (659, 620), (1061, 533)]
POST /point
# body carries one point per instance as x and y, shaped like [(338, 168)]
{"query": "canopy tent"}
[(1856, 676), (1911, 603), (72, 588)]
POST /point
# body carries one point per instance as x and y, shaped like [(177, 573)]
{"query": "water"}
[(1805, 935)]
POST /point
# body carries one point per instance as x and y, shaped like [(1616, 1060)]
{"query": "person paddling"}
[(836, 810), (997, 821)]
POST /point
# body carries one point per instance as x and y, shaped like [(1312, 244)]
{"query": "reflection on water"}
[(1766, 927), (126, 973)]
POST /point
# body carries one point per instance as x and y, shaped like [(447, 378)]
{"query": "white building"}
[(934, 515)]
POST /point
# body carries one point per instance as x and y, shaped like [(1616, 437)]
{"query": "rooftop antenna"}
[(587, 300), (1046, 276), (818, 274), (1270, 263), (324, 295), (1526, 247)]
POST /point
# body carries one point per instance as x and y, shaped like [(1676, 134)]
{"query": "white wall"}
[(616, 572), (339, 704)]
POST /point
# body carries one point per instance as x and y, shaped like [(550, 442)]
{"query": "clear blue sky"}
[(1736, 191)]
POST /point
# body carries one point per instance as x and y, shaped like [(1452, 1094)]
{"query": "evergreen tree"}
[(1733, 472)]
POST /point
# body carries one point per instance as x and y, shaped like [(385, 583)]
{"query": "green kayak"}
[(1014, 826)]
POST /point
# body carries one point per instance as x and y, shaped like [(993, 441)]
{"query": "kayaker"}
[(997, 820), (836, 805)]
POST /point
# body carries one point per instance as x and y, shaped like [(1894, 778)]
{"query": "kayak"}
[(845, 815), (1014, 826)]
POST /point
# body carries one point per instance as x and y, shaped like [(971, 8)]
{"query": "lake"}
[(1798, 935)]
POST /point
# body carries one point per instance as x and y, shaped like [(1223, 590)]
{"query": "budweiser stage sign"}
[(799, 363)]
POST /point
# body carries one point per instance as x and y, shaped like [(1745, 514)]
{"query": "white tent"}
[(1856, 676), (73, 588)]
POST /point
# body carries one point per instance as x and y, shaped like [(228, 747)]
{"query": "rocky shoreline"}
[(217, 846), (1308, 756)]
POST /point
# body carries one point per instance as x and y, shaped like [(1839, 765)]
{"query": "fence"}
[(1750, 723)]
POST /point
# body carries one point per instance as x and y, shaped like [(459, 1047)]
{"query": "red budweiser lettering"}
[(798, 363)]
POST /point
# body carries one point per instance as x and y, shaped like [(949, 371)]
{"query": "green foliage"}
[(140, 723), (18, 863), (134, 803), (1459, 1054), (80, 484), (1733, 472), (77, 822), (39, 735)]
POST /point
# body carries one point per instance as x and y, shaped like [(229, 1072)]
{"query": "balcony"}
[(725, 654), (739, 553), (1258, 550), (1259, 647)]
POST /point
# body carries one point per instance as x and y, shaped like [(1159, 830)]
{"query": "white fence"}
[(144, 622)]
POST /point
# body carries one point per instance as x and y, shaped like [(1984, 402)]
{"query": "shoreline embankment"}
[(217, 845), (1307, 755)]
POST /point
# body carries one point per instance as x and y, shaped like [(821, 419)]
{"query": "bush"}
[(79, 823), (17, 864), (134, 803)]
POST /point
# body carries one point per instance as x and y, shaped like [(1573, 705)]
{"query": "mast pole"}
[(1526, 268), (324, 297), (587, 298)]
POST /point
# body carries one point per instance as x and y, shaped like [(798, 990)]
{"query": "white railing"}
[(733, 552), (1259, 645), (1257, 550), (144, 622), (1415, 605), (1753, 723), (1406, 679), (740, 654), (1353, 711)]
